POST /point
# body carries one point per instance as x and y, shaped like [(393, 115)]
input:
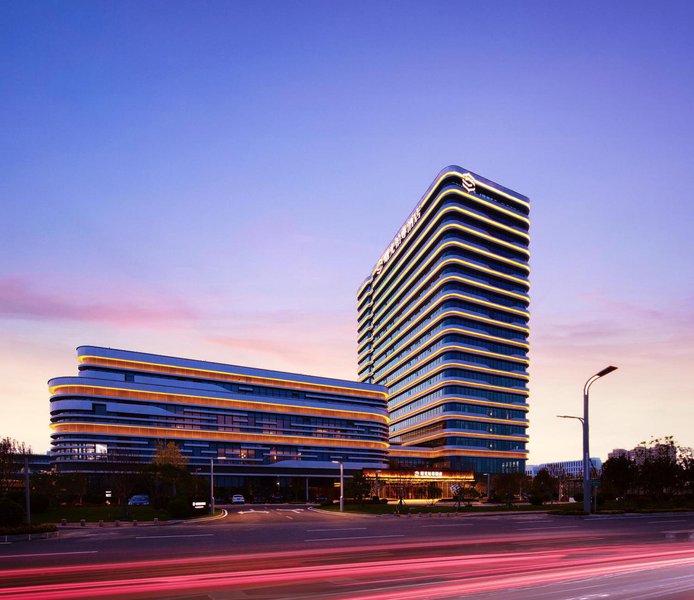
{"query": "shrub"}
[(179, 508), (11, 513), (535, 500)]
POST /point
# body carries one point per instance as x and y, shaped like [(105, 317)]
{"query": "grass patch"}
[(92, 514), (389, 509), (42, 528)]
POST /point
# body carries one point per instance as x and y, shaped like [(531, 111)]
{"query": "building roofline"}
[(176, 361)]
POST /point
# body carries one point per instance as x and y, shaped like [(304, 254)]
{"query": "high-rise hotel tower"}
[(443, 322)]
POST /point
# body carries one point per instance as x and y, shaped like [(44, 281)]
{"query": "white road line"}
[(356, 537), (545, 528), (666, 522), (450, 525), (341, 529), (50, 554), (182, 535)]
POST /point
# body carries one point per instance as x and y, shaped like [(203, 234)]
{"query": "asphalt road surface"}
[(287, 551)]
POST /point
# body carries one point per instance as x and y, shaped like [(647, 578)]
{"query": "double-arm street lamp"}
[(342, 484), (586, 445)]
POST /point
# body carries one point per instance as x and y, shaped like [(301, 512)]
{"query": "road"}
[(286, 551)]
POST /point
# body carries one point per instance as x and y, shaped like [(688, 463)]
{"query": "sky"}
[(214, 180)]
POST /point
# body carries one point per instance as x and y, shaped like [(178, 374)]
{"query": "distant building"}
[(570, 468), (640, 454)]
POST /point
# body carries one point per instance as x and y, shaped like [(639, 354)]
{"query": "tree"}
[(433, 491), (543, 486), (507, 485), (169, 454), (619, 477), (659, 473), (464, 492), (12, 455), (686, 473), (358, 487), (168, 471)]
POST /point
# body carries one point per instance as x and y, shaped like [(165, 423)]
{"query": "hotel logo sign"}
[(398, 239), (468, 182), (429, 474)]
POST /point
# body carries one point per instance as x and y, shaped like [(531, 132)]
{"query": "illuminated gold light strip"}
[(455, 364), (383, 284), (409, 295), (431, 209), (436, 303), (463, 278), (450, 416), (476, 384), (103, 392), (439, 229), (221, 375), (447, 382), (402, 339), (461, 433), (454, 243), (436, 337), (417, 453), (454, 313), (447, 348), (416, 411), (422, 303), (408, 331), (165, 432), (449, 295)]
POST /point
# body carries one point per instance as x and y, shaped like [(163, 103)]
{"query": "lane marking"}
[(669, 521), (50, 554), (182, 535), (545, 528), (450, 525), (340, 529), (356, 537)]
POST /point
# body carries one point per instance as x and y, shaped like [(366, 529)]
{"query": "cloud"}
[(120, 306)]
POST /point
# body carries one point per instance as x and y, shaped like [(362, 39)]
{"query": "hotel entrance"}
[(416, 485)]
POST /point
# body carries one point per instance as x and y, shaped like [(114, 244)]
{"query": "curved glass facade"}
[(121, 403), (443, 323)]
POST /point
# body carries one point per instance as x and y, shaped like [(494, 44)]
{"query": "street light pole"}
[(211, 486), (27, 492), (586, 445), (342, 484)]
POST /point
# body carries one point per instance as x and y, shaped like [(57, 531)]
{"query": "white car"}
[(238, 499)]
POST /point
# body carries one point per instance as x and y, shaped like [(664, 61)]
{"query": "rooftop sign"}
[(398, 239)]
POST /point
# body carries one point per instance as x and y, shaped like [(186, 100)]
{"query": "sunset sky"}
[(214, 180)]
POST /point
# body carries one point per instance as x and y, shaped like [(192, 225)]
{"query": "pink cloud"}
[(121, 306)]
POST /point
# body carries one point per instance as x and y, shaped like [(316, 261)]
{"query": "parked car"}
[(238, 499), (139, 500)]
